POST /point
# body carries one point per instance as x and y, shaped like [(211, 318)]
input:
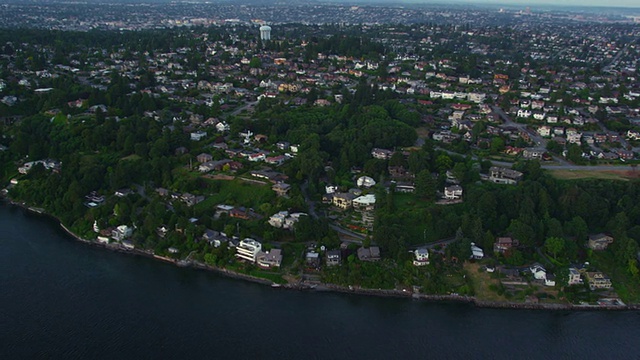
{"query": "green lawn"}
[(237, 193)]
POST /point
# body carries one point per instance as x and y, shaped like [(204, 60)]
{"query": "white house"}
[(476, 252), (248, 249), (453, 192), (364, 201), (121, 232), (523, 113), (198, 135), (421, 257), (550, 280), (544, 130), (539, 115), (222, 126), (365, 181), (574, 277), (538, 272)]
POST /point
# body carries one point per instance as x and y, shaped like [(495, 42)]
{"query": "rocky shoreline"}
[(471, 300)]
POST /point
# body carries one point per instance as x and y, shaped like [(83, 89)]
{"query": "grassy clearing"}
[(237, 193), (481, 282), (132, 157), (591, 174)]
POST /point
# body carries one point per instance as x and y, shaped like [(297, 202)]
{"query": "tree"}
[(562, 277), (255, 62), (425, 185), (554, 246), (443, 163)]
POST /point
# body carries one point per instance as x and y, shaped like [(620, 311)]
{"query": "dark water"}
[(63, 299)]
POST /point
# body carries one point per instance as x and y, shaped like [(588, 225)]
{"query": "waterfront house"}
[(574, 277), (269, 259), (333, 257), (597, 280), (538, 272), (550, 280), (312, 260), (248, 249), (121, 232)]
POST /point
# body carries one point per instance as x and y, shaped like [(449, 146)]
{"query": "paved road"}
[(241, 108), (357, 236), (312, 204), (614, 61), (433, 244)]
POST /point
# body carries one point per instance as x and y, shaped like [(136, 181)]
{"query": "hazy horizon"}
[(530, 3)]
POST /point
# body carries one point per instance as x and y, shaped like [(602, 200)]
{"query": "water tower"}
[(265, 33)]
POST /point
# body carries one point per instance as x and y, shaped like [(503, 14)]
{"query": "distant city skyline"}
[(530, 3)]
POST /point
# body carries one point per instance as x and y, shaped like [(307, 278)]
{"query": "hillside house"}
[(599, 241)]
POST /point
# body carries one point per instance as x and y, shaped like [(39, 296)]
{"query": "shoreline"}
[(322, 287)]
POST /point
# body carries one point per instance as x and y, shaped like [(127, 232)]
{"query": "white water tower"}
[(265, 33)]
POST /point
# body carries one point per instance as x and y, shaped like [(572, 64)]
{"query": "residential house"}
[(599, 241), (123, 192), (215, 238), (281, 189), (544, 130), (504, 244), (421, 257), (476, 252), (574, 277), (382, 154), (625, 154), (453, 192), (524, 113), (248, 249), (366, 182), (312, 260), (282, 219), (333, 257), (198, 135), (269, 259), (162, 192), (597, 280), (343, 200), (122, 232), (222, 127), (204, 157), (500, 175), (282, 145), (550, 280), (272, 176), (191, 199), (538, 272), (532, 154), (275, 160), (369, 254)]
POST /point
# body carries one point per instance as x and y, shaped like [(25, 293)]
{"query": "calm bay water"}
[(63, 299)]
